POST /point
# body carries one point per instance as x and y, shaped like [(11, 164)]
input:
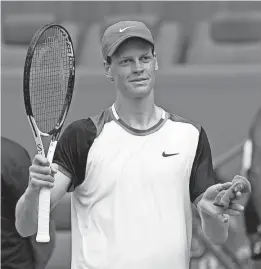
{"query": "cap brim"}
[(120, 41)]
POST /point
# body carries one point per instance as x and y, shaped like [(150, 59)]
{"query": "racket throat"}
[(51, 151)]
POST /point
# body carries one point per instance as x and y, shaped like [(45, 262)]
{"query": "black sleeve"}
[(202, 173), (72, 150)]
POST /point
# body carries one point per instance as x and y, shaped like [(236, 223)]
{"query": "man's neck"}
[(138, 113)]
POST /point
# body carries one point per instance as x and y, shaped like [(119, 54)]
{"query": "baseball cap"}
[(120, 31)]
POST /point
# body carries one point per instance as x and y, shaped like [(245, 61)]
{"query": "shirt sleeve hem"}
[(197, 199), (64, 171)]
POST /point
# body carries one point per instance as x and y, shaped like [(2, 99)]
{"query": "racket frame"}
[(27, 68), (43, 234)]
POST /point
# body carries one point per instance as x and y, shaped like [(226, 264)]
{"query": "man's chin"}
[(141, 93)]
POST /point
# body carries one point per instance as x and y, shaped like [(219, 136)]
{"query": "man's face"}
[(133, 68)]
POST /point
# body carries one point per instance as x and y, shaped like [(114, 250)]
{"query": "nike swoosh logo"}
[(168, 155), (123, 29)]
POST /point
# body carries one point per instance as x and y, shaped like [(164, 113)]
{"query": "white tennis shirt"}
[(132, 190)]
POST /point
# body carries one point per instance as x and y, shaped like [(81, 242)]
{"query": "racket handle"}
[(43, 235), (44, 196), (43, 216)]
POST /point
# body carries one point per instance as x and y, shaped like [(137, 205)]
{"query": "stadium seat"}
[(169, 42), (13, 56), (17, 31), (91, 55), (229, 38)]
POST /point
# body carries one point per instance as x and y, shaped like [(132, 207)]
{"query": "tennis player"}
[(133, 171), (16, 251)]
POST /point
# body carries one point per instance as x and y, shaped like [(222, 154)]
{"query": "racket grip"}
[(43, 235)]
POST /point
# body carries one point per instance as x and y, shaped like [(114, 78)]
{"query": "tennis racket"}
[(48, 83)]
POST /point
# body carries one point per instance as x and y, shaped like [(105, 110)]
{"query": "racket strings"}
[(50, 72)]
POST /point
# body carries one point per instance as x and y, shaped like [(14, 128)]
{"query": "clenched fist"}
[(41, 173)]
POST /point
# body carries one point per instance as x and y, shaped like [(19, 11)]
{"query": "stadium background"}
[(209, 56)]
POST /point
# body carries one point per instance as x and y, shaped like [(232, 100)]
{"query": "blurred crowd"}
[(193, 33)]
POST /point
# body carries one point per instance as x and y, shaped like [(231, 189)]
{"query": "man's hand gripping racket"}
[(226, 197), (49, 74)]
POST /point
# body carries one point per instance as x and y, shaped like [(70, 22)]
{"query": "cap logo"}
[(123, 29)]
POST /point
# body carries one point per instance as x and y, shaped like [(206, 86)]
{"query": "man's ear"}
[(107, 67), (156, 61)]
